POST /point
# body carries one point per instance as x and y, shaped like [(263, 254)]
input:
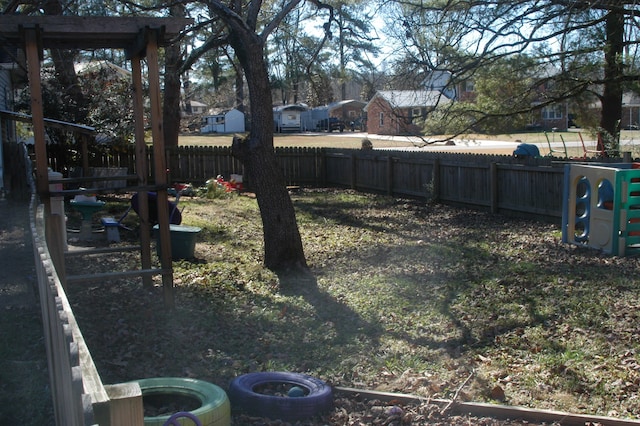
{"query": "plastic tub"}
[(183, 241)]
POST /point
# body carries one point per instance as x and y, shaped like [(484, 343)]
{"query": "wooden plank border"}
[(492, 410)]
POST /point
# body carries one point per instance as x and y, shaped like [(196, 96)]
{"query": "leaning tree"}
[(245, 26)]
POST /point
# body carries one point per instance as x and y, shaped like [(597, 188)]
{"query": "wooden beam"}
[(113, 275), (89, 32), (141, 167), (160, 169), (491, 410), (125, 404), (100, 250), (35, 84), (48, 122)]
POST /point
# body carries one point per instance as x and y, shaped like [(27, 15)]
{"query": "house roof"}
[(87, 67), (411, 98), (294, 107), (197, 104), (630, 99), (223, 112), (339, 104)]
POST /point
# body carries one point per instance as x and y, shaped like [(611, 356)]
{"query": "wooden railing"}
[(79, 396)]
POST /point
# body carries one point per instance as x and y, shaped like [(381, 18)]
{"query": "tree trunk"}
[(63, 62), (239, 89), (613, 72), (282, 243), (171, 102)]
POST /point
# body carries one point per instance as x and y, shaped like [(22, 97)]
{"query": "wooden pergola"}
[(139, 37)]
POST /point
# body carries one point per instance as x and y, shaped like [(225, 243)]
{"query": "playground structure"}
[(601, 207), (79, 396), (599, 152)]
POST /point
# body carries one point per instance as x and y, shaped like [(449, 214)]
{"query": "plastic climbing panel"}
[(601, 207)]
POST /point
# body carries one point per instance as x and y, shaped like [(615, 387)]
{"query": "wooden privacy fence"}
[(79, 397), (500, 183), (495, 182), (475, 181)]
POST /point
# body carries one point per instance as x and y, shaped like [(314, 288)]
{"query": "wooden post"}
[(37, 115), (85, 154), (125, 404), (55, 242), (141, 169), (354, 175), (493, 185), (160, 169), (320, 163), (435, 180), (390, 175)]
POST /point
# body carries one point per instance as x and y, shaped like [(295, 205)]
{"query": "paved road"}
[(25, 397)]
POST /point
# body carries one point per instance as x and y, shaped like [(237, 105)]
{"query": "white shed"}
[(287, 118), (231, 121)]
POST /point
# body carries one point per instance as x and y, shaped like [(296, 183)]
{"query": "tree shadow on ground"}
[(347, 322)]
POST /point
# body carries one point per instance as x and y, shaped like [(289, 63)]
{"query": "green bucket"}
[(183, 241)]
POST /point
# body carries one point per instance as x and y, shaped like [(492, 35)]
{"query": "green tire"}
[(214, 410)]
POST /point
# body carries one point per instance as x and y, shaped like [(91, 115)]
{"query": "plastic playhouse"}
[(601, 207)]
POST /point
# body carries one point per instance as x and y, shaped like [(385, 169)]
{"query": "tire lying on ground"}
[(280, 395), (208, 402)]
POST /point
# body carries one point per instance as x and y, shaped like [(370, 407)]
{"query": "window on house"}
[(352, 113), (549, 85), (552, 112), (469, 86), (416, 112), (382, 119)]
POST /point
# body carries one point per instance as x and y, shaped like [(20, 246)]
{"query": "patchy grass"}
[(402, 296)]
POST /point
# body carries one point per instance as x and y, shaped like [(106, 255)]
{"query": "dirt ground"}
[(25, 398), (17, 278)]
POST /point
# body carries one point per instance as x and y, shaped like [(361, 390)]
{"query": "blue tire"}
[(317, 398)]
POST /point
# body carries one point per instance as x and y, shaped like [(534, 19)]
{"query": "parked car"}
[(330, 124), (357, 125)]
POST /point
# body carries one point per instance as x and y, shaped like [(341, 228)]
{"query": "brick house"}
[(394, 112), (552, 116), (548, 117), (630, 111), (348, 111)]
